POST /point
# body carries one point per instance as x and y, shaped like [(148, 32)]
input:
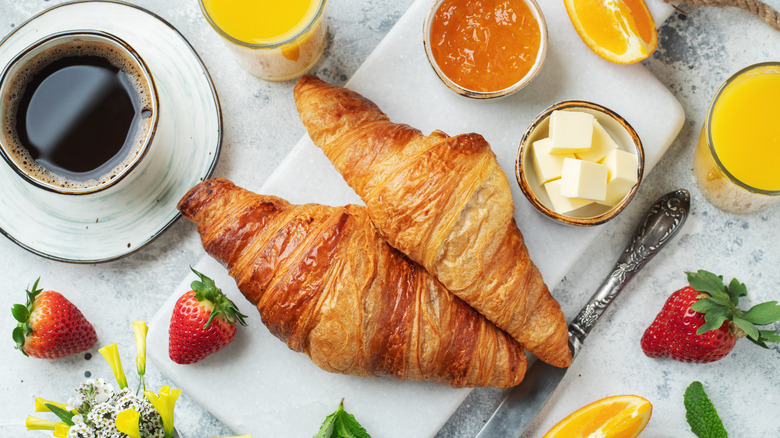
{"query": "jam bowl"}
[(485, 52)]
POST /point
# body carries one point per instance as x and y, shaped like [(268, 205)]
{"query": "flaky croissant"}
[(328, 285), (444, 202)]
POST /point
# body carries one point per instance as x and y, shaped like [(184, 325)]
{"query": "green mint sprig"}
[(701, 413), (341, 424)]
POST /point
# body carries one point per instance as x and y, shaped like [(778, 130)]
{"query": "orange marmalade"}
[(485, 45)]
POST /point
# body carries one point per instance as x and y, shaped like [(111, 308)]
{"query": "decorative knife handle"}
[(663, 220)]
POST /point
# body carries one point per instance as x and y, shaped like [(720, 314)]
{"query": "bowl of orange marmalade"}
[(485, 48)]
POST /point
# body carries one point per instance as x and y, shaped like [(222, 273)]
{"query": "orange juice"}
[(738, 158), (746, 130), (261, 21), (272, 39)]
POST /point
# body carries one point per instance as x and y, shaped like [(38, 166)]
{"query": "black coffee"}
[(80, 114), (77, 114)]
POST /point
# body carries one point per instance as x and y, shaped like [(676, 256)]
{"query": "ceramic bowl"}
[(535, 69), (594, 214)]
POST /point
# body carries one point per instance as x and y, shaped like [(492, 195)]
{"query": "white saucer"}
[(120, 220)]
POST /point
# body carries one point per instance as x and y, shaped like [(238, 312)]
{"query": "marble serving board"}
[(257, 385)]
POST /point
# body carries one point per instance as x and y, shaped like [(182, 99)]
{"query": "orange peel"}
[(620, 31), (620, 416)]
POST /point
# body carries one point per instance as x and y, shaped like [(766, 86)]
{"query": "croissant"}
[(328, 285), (444, 202)]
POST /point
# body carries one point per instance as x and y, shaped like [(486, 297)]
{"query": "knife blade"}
[(523, 402)]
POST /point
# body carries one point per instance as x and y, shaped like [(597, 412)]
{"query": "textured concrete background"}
[(696, 53)]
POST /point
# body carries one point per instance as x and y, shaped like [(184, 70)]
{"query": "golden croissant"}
[(444, 202), (328, 285)]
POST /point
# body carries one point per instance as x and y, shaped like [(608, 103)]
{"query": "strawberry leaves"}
[(21, 313), (207, 290), (721, 306)]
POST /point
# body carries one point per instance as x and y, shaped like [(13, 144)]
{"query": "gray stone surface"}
[(696, 53)]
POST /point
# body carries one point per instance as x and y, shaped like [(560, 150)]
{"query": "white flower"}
[(78, 419), (80, 430), (75, 402), (101, 397), (102, 416)]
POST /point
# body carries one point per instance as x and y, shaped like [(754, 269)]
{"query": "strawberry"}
[(701, 322), (203, 322), (50, 326)]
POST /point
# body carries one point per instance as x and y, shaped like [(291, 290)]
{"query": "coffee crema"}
[(80, 113)]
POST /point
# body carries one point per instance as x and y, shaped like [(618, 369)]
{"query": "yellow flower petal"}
[(61, 430), (127, 423), (34, 423), (139, 330), (164, 404), (40, 405), (111, 355)]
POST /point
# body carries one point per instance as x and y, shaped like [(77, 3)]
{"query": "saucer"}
[(122, 219)]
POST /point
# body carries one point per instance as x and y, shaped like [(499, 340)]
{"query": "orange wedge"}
[(620, 416), (620, 31)]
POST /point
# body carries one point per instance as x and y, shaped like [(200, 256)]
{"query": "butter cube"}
[(570, 131), (616, 191), (546, 165), (621, 170), (562, 204), (583, 179), (600, 146)]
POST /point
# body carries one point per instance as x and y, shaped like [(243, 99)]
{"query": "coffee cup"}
[(78, 112)]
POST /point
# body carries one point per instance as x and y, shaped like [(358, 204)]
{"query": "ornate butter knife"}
[(524, 401)]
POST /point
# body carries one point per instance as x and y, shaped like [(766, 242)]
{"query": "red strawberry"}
[(203, 322), (701, 323), (50, 326)]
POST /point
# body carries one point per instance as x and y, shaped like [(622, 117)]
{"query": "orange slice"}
[(620, 416), (621, 31)]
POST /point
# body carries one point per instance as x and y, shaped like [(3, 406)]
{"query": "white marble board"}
[(257, 385)]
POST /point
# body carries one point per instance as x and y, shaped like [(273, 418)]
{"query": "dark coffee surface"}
[(77, 115)]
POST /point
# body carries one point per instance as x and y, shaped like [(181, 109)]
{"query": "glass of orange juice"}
[(737, 160), (274, 40)]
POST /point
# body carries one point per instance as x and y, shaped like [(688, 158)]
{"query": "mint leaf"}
[(701, 413), (341, 424), (764, 313), (326, 430)]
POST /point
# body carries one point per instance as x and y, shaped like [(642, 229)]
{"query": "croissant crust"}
[(328, 285), (445, 203)]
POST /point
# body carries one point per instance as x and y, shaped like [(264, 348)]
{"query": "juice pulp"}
[(745, 128), (261, 21), (485, 45)]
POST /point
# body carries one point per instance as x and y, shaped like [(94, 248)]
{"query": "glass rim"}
[(309, 26), (708, 125)]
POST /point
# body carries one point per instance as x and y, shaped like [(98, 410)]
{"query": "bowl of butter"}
[(579, 163)]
